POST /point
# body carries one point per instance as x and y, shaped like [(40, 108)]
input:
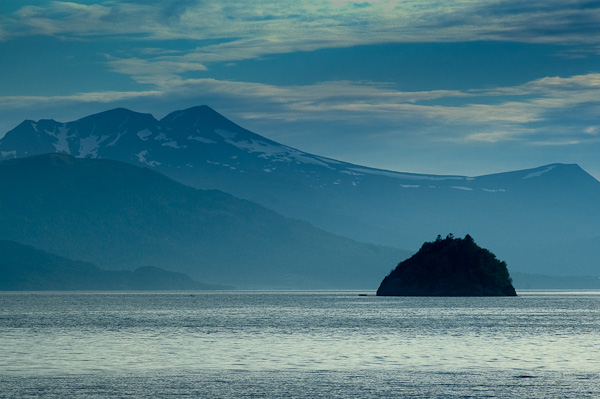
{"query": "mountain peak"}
[(202, 109), (208, 117), (556, 170), (117, 115), (199, 110)]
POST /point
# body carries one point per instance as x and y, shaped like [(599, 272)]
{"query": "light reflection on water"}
[(272, 335)]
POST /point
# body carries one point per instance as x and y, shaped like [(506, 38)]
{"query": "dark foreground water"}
[(298, 345)]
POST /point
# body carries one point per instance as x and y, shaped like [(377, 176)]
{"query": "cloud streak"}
[(228, 31), (345, 102), (288, 26)]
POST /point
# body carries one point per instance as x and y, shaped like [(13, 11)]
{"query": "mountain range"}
[(123, 217), (26, 268), (541, 220)]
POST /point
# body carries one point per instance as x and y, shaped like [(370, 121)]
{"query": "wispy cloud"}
[(343, 102), (159, 72), (59, 18), (308, 25), (9, 103), (229, 31)]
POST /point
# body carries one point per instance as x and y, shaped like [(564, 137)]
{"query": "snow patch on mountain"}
[(89, 146), (123, 123), (462, 188), (226, 134), (142, 158), (306, 159), (114, 142), (278, 153), (499, 190), (162, 137), (173, 144), (202, 139), (179, 114), (405, 176), (351, 173), (144, 134), (12, 153), (61, 134), (328, 160), (539, 172)]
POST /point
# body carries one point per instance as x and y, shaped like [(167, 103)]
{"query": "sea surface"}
[(298, 345)]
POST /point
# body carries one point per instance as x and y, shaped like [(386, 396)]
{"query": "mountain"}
[(542, 220), (119, 216), (25, 268)]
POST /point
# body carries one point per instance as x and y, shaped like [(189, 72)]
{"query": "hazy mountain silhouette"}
[(123, 217), (23, 267), (540, 220)]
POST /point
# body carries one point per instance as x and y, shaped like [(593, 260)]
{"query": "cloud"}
[(229, 31), (18, 102), (493, 137), (159, 72), (592, 130), (559, 143), (59, 18), (342, 100), (288, 26), (552, 110)]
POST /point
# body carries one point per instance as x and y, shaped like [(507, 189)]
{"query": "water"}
[(298, 345)]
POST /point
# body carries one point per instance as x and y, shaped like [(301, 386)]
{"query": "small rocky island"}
[(449, 267)]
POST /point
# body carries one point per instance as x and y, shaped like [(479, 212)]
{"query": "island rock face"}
[(449, 267)]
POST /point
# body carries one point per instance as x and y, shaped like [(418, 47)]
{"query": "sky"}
[(467, 87)]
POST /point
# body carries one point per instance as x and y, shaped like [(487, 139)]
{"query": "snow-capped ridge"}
[(405, 176), (201, 132)]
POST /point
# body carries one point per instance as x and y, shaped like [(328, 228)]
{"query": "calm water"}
[(298, 345)]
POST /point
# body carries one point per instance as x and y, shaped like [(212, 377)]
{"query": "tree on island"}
[(449, 267)]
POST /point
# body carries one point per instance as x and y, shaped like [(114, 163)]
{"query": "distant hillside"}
[(25, 268), (123, 217), (542, 220)]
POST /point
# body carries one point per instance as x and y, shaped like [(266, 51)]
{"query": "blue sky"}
[(464, 87)]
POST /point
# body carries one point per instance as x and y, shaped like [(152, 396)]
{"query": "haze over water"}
[(298, 344)]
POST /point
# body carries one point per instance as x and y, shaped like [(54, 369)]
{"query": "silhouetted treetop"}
[(449, 267)]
